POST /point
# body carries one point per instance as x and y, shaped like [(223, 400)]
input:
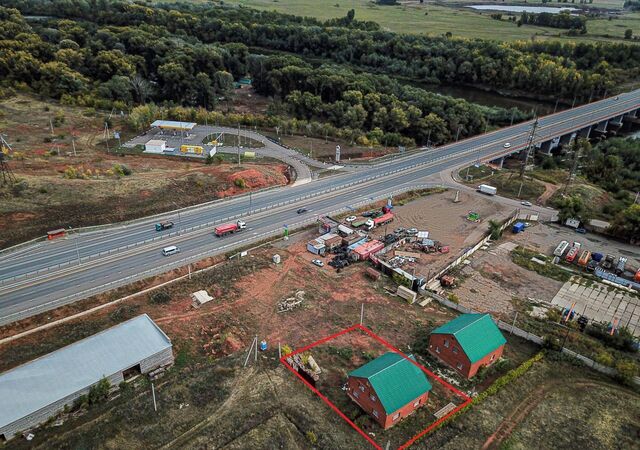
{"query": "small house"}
[(467, 343), (316, 247), (155, 146), (363, 251), (389, 388)]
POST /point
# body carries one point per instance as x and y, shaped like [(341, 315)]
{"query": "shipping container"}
[(518, 227)]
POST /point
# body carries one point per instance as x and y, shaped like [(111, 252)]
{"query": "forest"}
[(344, 73), (562, 20)]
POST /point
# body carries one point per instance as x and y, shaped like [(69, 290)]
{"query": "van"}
[(170, 250)]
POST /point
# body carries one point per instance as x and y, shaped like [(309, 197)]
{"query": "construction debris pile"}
[(290, 303), (306, 366)]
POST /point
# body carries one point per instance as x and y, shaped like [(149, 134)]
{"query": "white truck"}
[(572, 223), (486, 189)]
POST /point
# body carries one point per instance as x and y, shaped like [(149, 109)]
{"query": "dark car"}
[(581, 231), (302, 210)]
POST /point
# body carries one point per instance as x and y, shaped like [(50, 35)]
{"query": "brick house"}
[(467, 343), (389, 388)]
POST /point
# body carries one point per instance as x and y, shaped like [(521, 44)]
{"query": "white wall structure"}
[(155, 146), (32, 393)]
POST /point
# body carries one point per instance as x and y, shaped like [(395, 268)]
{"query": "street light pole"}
[(75, 240)]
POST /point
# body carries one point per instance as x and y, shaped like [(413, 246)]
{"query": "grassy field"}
[(58, 186), (437, 19)]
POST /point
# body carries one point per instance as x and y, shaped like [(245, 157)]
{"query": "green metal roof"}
[(477, 334), (396, 380)]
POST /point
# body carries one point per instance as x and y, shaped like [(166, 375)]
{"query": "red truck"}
[(571, 256), (382, 220), (228, 228)]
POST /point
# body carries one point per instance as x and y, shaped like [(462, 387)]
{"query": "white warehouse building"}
[(32, 393)]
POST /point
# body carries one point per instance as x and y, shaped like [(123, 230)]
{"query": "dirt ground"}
[(446, 222), (66, 189)]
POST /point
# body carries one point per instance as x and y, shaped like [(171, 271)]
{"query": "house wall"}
[(447, 348), (163, 358), (360, 392)]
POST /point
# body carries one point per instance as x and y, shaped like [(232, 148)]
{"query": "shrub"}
[(627, 369), (311, 436), (240, 183), (453, 298), (605, 359), (160, 297), (99, 392)]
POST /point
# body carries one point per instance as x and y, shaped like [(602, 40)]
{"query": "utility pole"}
[(238, 144), (574, 166), (530, 153), (458, 132), (75, 240), (556, 107), (106, 135), (153, 393), (362, 314)]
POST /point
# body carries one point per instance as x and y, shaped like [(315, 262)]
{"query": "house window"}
[(396, 416), (459, 366), (375, 413), (446, 343), (416, 403), (373, 398), (455, 350), (493, 356), (437, 349), (362, 388), (356, 394)]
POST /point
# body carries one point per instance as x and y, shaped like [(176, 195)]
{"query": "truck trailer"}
[(228, 228), (378, 221), (573, 252), (486, 189), (164, 225)]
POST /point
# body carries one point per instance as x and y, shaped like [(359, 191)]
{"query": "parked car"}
[(581, 231), (350, 219), (412, 231), (318, 263), (399, 230), (526, 203), (302, 210), (507, 144)]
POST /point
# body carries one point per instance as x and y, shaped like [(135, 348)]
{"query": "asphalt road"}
[(48, 274)]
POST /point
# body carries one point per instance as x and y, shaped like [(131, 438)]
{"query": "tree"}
[(628, 33), (572, 207), (627, 369), (494, 229), (627, 223)]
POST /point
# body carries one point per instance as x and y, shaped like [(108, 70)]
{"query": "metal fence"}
[(532, 338)]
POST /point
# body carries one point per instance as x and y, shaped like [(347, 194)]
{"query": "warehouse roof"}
[(43, 381), (173, 125), (477, 334), (396, 380)]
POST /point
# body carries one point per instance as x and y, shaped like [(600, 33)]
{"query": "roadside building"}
[(316, 247), (155, 146), (173, 126), (331, 241), (467, 343), (32, 393), (389, 388), (363, 251)]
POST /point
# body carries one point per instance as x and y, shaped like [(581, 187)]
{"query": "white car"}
[(350, 219), (318, 263), (525, 203), (507, 144)]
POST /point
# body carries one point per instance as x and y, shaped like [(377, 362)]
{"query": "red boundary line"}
[(392, 348)]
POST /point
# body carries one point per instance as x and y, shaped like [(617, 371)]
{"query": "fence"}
[(532, 338), (191, 259)]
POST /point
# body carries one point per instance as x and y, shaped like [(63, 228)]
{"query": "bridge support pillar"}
[(546, 147), (498, 162), (617, 121), (602, 126), (585, 132)]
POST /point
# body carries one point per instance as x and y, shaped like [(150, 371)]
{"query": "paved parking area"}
[(601, 303)]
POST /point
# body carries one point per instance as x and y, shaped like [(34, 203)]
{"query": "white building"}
[(32, 393), (155, 146)]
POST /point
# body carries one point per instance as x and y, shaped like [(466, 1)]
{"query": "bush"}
[(311, 437), (239, 182), (627, 369), (605, 359), (99, 392), (160, 297)]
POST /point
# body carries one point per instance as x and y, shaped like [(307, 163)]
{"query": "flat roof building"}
[(173, 125), (32, 393)]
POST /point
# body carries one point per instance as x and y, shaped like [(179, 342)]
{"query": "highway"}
[(44, 275)]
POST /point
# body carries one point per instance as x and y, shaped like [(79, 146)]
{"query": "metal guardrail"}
[(194, 258)]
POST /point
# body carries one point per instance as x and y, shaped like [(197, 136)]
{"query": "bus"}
[(561, 248), (54, 234)]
